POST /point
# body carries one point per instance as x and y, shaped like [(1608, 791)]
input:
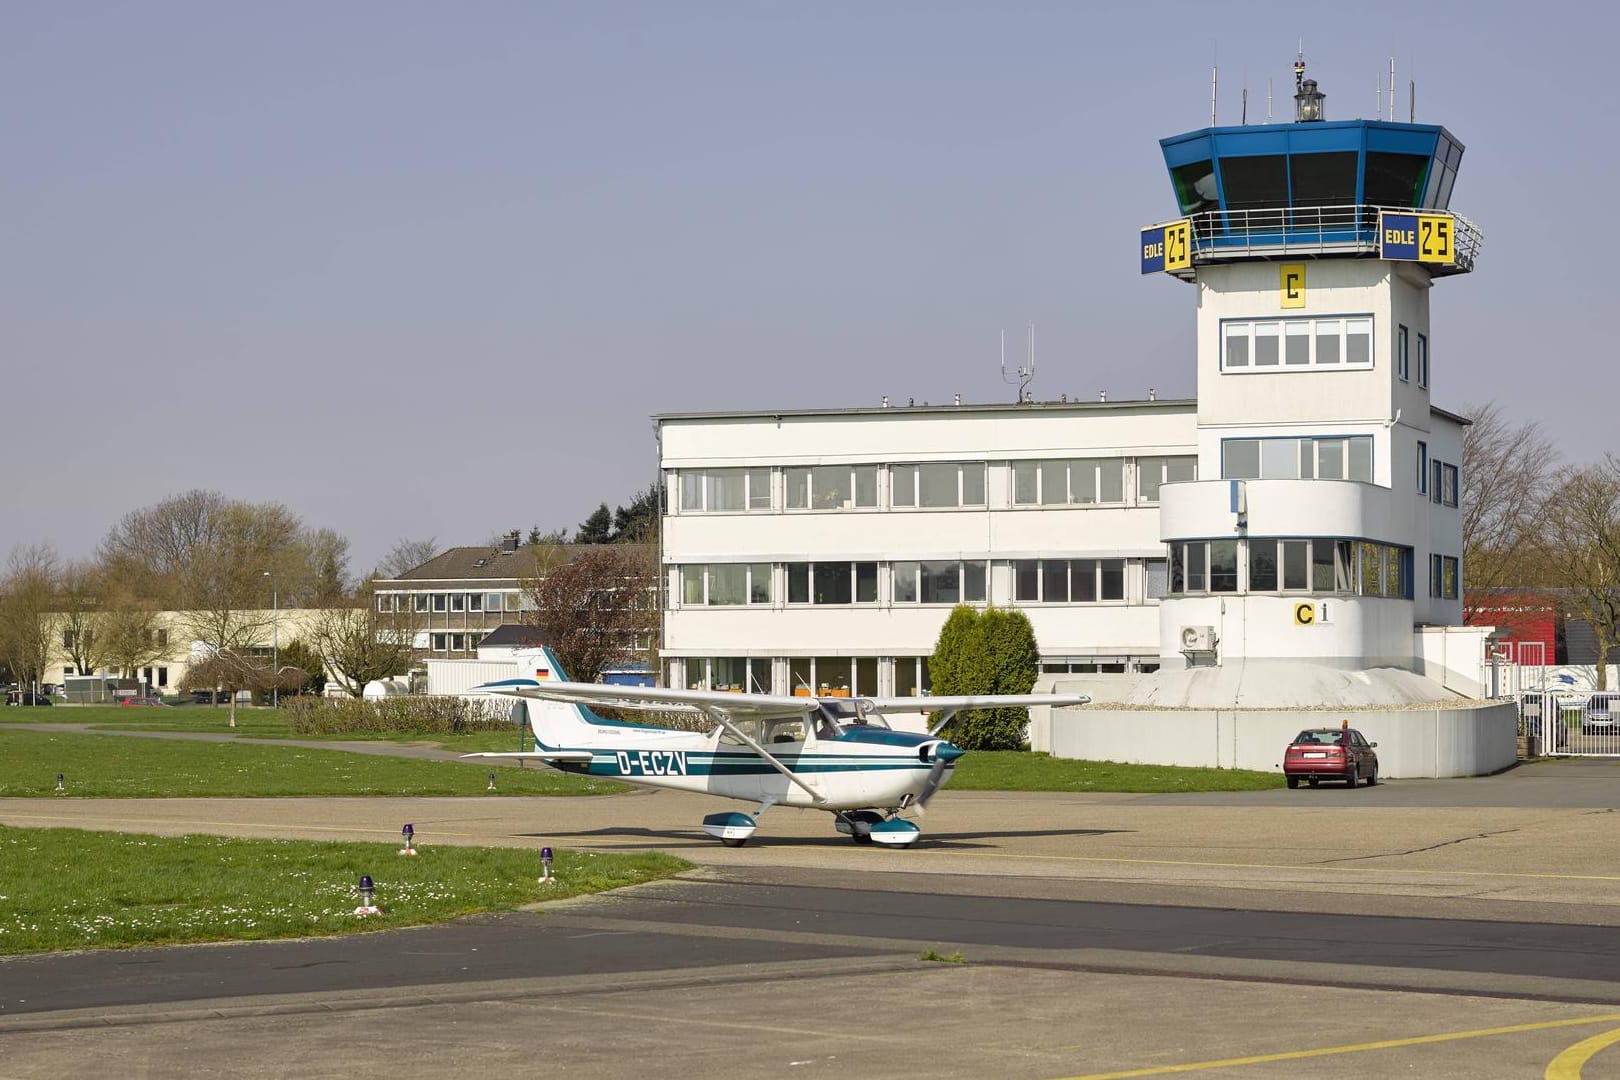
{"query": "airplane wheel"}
[(735, 843), (861, 838)]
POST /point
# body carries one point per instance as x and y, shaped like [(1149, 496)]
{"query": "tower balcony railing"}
[(1276, 232)]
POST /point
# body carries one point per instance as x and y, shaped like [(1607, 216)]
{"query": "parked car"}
[(1340, 753), (1600, 713), (27, 697), (143, 702)]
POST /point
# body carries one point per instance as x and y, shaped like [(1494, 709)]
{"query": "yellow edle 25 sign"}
[(1178, 245), (1430, 238)]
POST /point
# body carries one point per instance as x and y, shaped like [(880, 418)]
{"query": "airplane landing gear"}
[(870, 826), (731, 829)]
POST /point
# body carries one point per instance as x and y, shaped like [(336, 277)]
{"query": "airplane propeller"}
[(943, 754)]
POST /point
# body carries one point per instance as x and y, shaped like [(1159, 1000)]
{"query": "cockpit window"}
[(834, 716)]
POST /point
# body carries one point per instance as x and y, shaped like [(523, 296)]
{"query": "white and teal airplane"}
[(834, 754)]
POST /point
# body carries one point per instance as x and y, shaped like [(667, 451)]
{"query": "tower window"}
[(1296, 344)]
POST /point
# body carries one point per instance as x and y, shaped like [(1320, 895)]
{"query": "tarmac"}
[(778, 957)]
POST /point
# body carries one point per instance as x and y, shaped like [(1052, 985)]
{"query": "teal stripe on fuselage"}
[(883, 737), (642, 763)]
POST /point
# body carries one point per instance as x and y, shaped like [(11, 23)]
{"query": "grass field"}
[(71, 889), (158, 768), (1013, 770), (255, 723), (115, 766)]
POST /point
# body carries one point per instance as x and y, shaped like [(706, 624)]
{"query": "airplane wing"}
[(583, 756), (969, 701), (948, 706), (736, 706)]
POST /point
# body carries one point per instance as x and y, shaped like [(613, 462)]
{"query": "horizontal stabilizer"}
[(537, 755)]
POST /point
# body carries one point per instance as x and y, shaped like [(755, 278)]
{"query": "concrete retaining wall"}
[(1411, 742)]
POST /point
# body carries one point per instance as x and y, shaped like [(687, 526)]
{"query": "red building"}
[(1521, 619)]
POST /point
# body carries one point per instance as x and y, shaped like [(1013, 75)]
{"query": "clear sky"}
[(427, 269)]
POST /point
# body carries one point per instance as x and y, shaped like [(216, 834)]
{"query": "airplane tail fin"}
[(553, 723)]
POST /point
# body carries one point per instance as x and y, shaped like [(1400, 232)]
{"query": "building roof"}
[(509, 562), (900, 410), (476, 563), (512, 635)]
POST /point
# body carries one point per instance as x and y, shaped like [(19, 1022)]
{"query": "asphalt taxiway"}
[(1438, 928)]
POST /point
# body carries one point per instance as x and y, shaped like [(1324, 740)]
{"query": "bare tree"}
[(231, 584), (130, 635), (201, 550), (28, 618), (81, 616), (1581, 537), (151, 549), (598, 609), (359, 644), (406, 556), (1507, 474)]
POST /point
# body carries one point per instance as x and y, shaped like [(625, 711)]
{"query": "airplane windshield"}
[(844, 714)]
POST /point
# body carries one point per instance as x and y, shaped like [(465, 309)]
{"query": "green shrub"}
[(412, 715)]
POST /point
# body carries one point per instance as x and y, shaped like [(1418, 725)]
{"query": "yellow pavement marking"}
[(1387, 1044), (1568, 1065), (1269, 866)]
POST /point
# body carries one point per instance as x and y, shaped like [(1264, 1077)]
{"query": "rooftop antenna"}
[(1214, 85), (1411, 101), (1024, 374), (1392, 89), (1243, 114), (1268, 99), (1307, 98)]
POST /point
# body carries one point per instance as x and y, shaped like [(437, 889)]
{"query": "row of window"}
[(422, 603), (1445, 577), (150, 638), (1251, 345), (1035, 581), (1437, 479), (1403, 357), (839, 676), (819, 676), (1318, 565), (1274, 344), (927, 485), (1340, 457), (1083, 481)]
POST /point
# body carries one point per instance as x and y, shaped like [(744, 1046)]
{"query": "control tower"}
[(1324, 532)]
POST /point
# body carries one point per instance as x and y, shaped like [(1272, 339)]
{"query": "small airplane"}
[(836, 754)]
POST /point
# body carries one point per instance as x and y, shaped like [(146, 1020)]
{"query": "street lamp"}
[(275, 643)]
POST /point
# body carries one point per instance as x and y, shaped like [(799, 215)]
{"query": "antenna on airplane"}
[(1023, 375)]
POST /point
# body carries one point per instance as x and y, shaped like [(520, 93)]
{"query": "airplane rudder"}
[(556, 723)]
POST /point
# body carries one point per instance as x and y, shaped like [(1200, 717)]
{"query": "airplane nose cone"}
[(947, 752)]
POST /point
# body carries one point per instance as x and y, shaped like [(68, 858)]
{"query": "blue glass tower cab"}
[(1311, 188)]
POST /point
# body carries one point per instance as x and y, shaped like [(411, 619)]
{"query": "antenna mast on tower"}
[(1023, 375)]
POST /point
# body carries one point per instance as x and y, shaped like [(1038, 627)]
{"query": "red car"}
[(1339, 753)]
